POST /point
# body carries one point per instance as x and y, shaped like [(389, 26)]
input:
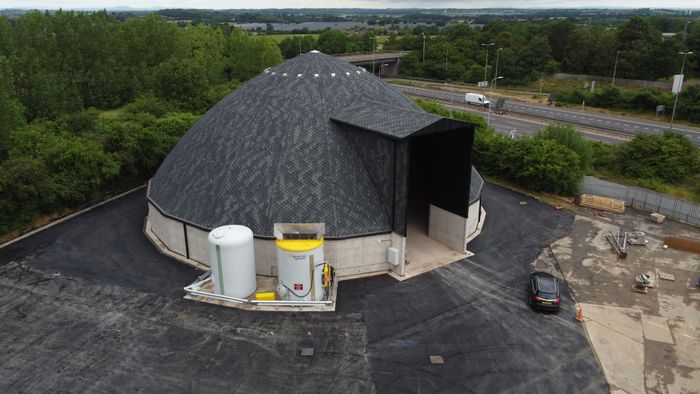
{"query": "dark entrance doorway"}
[(438, 174)]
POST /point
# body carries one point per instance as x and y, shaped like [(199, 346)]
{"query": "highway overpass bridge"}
[(380, 63)]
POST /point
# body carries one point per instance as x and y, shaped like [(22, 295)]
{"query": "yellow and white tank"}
[(300, 269)]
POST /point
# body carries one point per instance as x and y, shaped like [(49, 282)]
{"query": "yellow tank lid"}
[(299, 245)]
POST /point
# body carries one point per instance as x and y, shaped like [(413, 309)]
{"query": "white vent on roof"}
[(299, 75), (314, 51), (284, 74), (332, 74), (315, 75), (273, 73), (267, 71), (347, 73), (358, 71)]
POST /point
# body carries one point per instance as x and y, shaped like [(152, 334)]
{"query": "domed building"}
[(318, 140)]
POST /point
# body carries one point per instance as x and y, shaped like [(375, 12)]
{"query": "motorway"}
[(606, 128)]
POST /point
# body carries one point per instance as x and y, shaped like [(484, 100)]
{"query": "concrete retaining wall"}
[(473, 219), (448, 228), (349, 257)]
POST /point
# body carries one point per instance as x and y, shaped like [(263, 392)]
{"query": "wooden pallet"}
[(602, 203)]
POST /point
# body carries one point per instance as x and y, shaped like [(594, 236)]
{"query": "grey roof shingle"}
[(385, 119), (269, 152)]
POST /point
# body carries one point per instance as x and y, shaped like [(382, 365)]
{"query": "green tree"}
[(569, 137), (578, 51), (332, 41), (392, 42), (26, 191), (183, 82), (636, 39), (206, 47), (11, 111), (6, 38), (543, 165), (688, 103), (534, 56), (558, 36), (248, 56), (293, 46), (670, 157)]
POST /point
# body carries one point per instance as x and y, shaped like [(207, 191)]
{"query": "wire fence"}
[(647, 200)]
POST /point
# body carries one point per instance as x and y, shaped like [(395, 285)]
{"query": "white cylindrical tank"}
[(300, 269), (232, 260)]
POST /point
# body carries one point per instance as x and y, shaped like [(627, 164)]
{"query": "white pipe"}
[(194, 290), (216, 296), (290, 303)]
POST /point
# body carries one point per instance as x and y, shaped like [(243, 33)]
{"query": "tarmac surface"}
[(90, 305)]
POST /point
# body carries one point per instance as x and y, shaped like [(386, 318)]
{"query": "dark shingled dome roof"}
[(270, 152)]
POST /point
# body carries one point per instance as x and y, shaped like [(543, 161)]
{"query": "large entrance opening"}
[(439, 171)]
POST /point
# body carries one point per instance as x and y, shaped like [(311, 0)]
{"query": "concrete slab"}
[(624, 321), (686, 372), (656, 329), (668, 315), (616, 336), (424, 254)]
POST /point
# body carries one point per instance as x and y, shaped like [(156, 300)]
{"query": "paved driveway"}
[(113, 320)]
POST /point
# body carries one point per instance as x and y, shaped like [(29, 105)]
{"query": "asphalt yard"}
[(90, 305)]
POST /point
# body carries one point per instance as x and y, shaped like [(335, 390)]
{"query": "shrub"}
[(569, 137), (670, 157), (181, 82), (149, 104)]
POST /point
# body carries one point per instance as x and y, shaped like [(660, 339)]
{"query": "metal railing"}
[(647, 200)]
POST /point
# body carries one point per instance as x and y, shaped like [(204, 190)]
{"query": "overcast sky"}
[(219, 4)]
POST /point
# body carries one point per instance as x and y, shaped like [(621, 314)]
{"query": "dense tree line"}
[(524, 50), (90, 105), (64, 61)]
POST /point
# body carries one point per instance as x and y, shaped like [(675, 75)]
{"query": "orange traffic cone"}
[(579, 315)]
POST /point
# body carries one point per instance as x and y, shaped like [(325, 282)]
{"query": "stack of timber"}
[(602, 203)]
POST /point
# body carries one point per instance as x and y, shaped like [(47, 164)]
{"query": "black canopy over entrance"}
[(412, 155)]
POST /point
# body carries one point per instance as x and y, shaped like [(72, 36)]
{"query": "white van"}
[(477, 99)]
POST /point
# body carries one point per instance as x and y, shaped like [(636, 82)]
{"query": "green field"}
[(281, 37)]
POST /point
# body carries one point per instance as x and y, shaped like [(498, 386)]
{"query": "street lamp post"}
[(447, 49), (498, 51), (488, 119), (486, 64), (615, 68), (673, 114), (374, 46), (423, 34)]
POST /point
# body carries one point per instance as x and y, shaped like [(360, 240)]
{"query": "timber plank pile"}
[(602, 203)]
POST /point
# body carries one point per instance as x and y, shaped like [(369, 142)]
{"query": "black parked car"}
[(544, 292)]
